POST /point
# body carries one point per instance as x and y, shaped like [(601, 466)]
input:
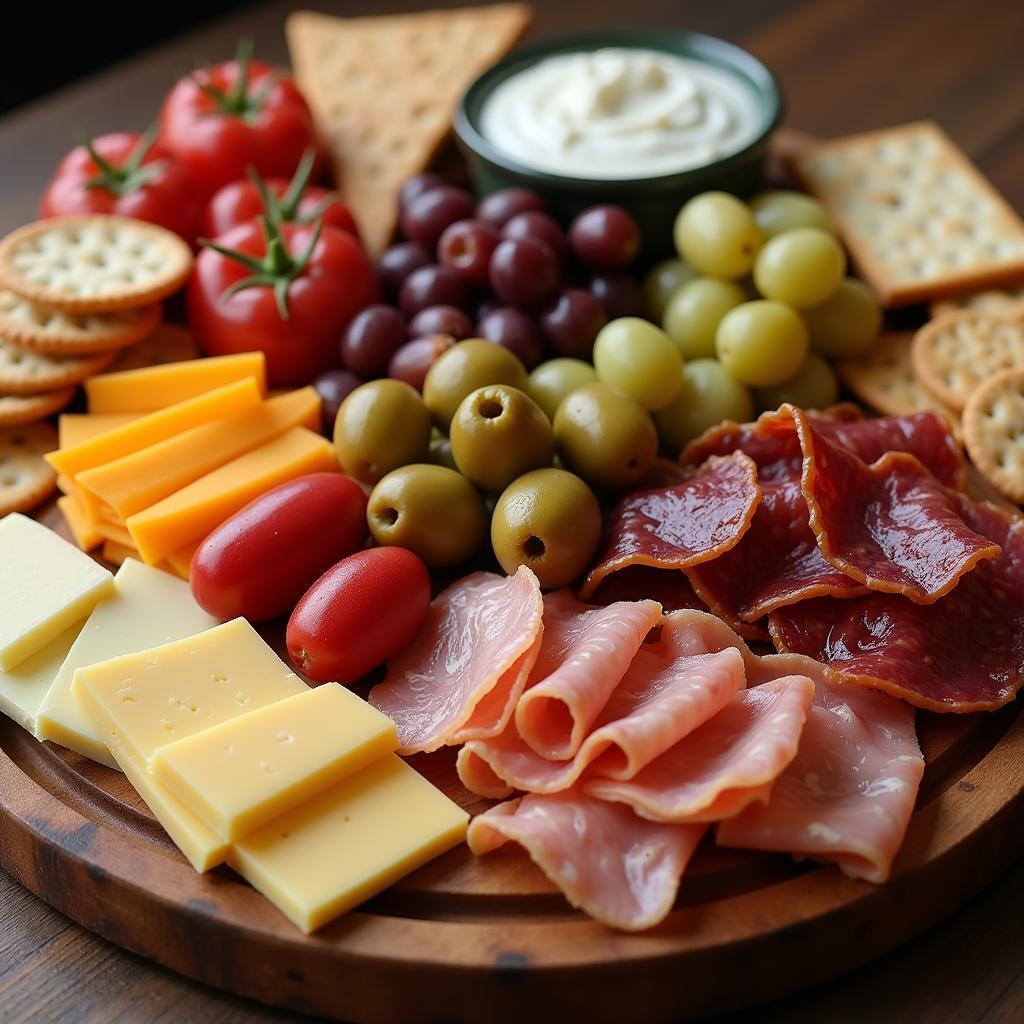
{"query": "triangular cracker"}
[(384, 91)]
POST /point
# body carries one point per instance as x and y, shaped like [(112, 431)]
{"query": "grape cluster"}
[(502, 269)]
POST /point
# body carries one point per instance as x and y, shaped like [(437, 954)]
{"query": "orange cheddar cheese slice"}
[(137, 481), (150, 429), (156, 387), (76, 428), (180, 562), (85, 535), (188, 515), (116, 553)]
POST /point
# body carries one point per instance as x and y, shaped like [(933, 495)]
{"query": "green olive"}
[(440, 453), (382, 425), (499, 433), (463, 368), (605, 437), (434, 512), (550, 521), (554, 380)]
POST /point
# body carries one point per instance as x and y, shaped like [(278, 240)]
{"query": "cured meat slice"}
[(463, 675), (671, 588), (776, 563), (892, 525), (848, 795), (963, 653), (730, 761), (616, 867), (662, 698), (584, 653), (681, 525)]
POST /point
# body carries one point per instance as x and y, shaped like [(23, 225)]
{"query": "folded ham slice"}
[(848, 795), (610, 863), (730, 761), (463, 675)]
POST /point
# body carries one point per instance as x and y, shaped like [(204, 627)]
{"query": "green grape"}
[(550, 382), (761, 343), (846, 324), (783, 210), (662, 282), (802, 267), (693, 314), (717, 235), (813, 386), (709, 395), (639, 358)]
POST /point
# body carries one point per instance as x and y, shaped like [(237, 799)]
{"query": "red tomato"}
[(291, 303), (125, 173), (263, 559), (243, 113), (363, 611)]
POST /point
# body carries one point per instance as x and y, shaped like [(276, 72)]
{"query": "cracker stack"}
[(75, 293)]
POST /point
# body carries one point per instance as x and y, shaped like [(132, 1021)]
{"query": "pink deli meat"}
[(616, 867), (463, 675)]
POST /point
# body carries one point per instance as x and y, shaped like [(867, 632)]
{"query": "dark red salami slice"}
[(671, 588), (963, 653)]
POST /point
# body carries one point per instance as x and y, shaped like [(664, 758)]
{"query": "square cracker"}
[(919, 219), (384, 90)]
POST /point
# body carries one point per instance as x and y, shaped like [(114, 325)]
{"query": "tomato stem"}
[(285, 209), (237, 101), (133, 174)]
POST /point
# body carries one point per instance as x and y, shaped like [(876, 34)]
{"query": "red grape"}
[(431, 286), (523, 272), (605, 237), (417, 186), (512, 329), (571, 323), (411, 362), (426, 217), (620, 295), (541, 228), (498, 207), (333, 387), (371, 339), (441, 320), (397, 263), (466, 246)]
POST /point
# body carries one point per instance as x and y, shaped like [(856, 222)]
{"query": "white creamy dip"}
[(620, 113)]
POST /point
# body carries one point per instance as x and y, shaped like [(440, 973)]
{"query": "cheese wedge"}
[(349, 843), (140, 702), (187, 516), (156, 387), (77, 428), (148, 607), (239, 775), (24, 687), (84, 533), (135, 482), (48, 586), (149, 430)]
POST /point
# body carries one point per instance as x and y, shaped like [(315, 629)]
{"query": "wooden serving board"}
[(490, 940)]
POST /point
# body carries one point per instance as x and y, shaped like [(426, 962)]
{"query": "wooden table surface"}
[(845, 65)]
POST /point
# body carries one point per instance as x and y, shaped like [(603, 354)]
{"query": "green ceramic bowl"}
[(653, 201)]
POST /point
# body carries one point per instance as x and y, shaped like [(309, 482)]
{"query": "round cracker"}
[(26, 478), (994, 432), (169, 343), (29, 325), (93, 263), (955, 353), (31, 373), (17, 410)]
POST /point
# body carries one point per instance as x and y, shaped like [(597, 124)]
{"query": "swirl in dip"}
[(620, 113)]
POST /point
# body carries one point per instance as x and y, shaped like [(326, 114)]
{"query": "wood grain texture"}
[(846, 65)]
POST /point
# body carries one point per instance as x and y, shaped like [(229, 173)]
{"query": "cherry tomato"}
[(294, 201), (125, 173), (363, 611), (242, 113), (262, 560), (288, 291)]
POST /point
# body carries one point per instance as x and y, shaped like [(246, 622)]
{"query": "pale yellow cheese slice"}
[(241, 774), (48, 586), (23, 688), (189, 515), (349, 843), (142, 701), (148, 608), (156, 387)]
